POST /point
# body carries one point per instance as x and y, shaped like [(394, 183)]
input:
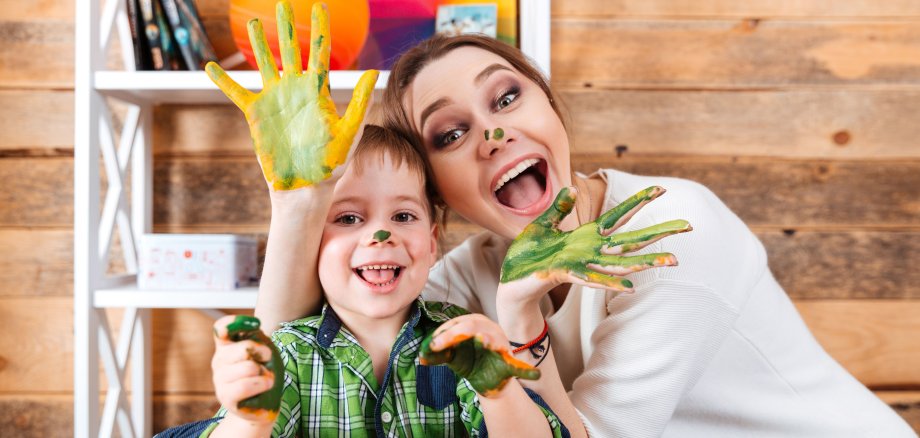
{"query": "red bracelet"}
[(521, 347)]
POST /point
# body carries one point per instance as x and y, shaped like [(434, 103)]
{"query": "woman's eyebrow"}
[(488, 71), (438, 104)]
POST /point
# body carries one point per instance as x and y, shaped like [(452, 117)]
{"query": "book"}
[(198, 36), (152, 35), (142, 59), (180, 32), (170, 50)]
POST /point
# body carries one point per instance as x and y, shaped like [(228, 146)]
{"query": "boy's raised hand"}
[(590, 255), (298, 136), (246, 369), (476, 349)]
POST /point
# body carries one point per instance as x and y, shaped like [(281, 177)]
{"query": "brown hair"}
[(378, 143), (394, 115)]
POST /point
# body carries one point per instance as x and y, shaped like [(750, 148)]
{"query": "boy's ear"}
[(435, 233)]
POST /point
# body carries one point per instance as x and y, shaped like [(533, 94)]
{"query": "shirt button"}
[(386, 417)]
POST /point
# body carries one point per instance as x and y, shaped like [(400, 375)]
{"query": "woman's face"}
[(498, 150)]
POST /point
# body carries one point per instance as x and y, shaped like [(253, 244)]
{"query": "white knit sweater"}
[(710, 348)]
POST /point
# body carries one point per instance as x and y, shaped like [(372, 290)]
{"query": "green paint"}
[(487, 135), (487, 370), (498, 133), (247, 327), (381, 235), (543, 249)]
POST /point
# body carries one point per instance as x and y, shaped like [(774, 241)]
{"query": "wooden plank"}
[(46, 415), (15, 10), (905, 403), (745, 53), (731, 8), (36, 192), (36, 262), (36, 53), (831, 123), (875, 340), (36, 119)]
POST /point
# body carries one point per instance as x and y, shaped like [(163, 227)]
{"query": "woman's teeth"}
[(515, 171)]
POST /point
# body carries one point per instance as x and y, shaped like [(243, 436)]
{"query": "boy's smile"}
[(378, 242)]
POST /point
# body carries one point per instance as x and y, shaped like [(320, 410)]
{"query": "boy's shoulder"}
[(300, 332)]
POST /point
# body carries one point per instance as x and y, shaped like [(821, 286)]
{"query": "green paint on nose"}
[(498, 133), (487, 135), (381, 235)]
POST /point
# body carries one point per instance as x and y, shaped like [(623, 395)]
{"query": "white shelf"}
[(131, 296), (194, 87)]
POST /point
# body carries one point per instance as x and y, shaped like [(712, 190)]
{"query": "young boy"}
[(355, 370)]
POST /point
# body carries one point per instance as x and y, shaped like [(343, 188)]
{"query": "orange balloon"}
[(348, 24)]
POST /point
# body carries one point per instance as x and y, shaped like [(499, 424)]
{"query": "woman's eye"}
[(348, 219), (447, 138), (507, 98), (404, 217)]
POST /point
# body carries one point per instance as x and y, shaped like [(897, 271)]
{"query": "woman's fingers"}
[(623, 265), (562, 206), (318, 62), (287, 38), (617, 216), (263, 54), (240, 96), (598, 280), (620, 243)]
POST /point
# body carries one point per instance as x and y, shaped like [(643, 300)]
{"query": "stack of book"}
[(168, 35)]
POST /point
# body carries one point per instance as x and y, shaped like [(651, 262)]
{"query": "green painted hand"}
[(486, 369), (590, 254), (298, 136), (269, 402)]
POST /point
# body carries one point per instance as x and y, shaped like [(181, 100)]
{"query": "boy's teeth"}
[(515, 171)]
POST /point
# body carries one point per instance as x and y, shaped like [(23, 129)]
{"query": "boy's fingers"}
[(360, 99), (240, 351), (239, 370), (620, 243), (220, 329), (619, 215), (287, 38), (263, 54), (318, 62), (237, 94), (562, 206), (231, 393)]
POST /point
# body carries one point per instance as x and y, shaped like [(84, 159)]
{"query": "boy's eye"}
[(348, 219), (404, 217)]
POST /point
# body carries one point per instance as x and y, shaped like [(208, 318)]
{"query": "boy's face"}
[(378, 242)]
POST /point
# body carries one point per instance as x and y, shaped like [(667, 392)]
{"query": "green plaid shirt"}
[(330, 389)]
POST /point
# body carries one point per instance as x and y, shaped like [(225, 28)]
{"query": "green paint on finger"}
[(381, 235), (627, 283), (498, 133)]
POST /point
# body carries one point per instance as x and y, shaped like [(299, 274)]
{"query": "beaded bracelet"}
[(536, 345)]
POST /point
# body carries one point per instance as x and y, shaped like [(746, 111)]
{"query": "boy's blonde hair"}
[(378, 143)]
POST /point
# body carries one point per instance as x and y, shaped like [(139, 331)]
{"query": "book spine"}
[(171, 55), (141, 55), (152, 34), (181, 34), (198, 37)]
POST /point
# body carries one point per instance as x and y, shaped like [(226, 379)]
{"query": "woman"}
[(713, 347)]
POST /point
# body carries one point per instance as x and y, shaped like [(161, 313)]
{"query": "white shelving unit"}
[(95, 223)]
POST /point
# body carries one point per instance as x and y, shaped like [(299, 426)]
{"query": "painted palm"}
[(592, 254), (487, 370), (298, 135)]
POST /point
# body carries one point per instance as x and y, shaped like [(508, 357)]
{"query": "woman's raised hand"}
[(592, 254), (298, 136)]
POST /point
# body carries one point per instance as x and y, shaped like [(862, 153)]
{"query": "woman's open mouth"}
[(379, 275), (523, 187)]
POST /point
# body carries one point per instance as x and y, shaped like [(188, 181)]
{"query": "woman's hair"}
[(394, 115), (378, 143)]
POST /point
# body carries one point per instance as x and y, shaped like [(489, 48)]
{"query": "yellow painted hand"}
[(298, 136)]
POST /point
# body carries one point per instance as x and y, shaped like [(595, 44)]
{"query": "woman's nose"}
[(494, 141)]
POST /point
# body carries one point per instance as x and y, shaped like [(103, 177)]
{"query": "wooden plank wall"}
[(800, 116)]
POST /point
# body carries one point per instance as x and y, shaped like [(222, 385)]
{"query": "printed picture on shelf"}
[(456, 20), (506, 19)]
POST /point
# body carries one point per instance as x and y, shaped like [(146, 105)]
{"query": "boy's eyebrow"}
[(360, 199)]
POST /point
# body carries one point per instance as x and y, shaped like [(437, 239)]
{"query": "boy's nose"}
[(381, 237)]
